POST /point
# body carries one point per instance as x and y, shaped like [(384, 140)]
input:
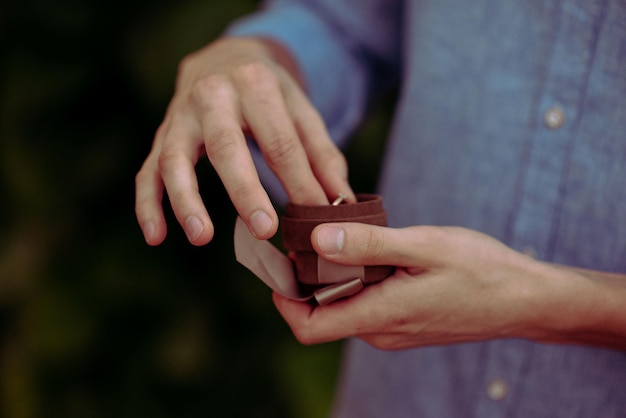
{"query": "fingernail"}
[(261, 223), (331, 239), (149, 229), (193, 227)]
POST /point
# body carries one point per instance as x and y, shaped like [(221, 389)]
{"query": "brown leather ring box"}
[(299, 221)]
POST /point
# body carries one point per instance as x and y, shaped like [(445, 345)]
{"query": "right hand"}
[(232, 87)]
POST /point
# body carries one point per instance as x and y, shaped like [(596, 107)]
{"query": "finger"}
[(148, 198), (327, 161), (314, 325), (361, 244), (228, 152), (360, 315), (267, 117), (176, 162)]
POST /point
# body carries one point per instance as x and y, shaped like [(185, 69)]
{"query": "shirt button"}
[(497, 390), (554, 117)]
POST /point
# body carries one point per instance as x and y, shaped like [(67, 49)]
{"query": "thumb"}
[(362, 244)]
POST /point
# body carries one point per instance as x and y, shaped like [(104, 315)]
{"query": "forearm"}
[(581, 306)]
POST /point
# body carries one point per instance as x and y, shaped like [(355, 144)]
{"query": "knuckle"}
[(168, 159), (185, 64), (188, 62), (142, 177), (211, 88), (374, 244), (221, 145), (255, 73), (239, 190), (281, 149)]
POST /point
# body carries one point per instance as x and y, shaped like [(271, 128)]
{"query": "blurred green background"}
[(93, 322)]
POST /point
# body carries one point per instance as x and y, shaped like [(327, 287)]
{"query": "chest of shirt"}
[(513, 121)]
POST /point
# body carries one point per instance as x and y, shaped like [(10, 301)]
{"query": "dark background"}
[(93, 322)]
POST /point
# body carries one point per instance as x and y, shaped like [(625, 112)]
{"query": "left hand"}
[(451, 285), (230, 88)]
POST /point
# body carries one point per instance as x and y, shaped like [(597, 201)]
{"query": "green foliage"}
[(93, 322)]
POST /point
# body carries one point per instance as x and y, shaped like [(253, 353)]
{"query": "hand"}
[(230, 88), (451, 285)]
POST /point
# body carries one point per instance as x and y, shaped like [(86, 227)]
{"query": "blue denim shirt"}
[(511, 120)]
